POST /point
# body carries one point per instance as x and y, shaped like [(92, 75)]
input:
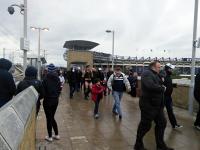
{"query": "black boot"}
[(164, 148), (139, 148)]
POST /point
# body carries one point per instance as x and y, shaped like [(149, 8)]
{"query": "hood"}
[(5, 64), (31, 72)]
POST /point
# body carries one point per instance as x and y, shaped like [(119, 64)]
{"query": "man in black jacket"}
[(72, 77), (151, 106), (31, 80), (168, 95), (197, 97), (7, 84)]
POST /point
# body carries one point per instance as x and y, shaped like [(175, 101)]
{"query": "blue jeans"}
[(117, 98)]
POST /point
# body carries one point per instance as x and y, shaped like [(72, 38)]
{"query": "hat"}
[(5, 64), (100, 69), (170, 66), (96, 80), (31, 71), (51, 68)]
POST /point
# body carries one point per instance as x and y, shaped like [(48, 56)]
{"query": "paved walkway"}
[(80, 131)]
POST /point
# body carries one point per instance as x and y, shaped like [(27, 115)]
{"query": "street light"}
[(194, 41), (24, 43), (113, 38), (39, 61)]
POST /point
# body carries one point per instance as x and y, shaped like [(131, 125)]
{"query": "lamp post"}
[(193, 56), (4, 53), (24, 43), (39, 61), (113, 49)]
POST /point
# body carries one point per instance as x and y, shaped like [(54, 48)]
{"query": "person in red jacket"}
[(97, 95)]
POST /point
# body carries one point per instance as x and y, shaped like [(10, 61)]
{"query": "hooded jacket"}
[(7, 84), (97, 91), (52, 87), (31, 80), (168, 83)]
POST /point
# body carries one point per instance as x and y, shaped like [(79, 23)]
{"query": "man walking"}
[(116, 83), (168, 95), (72, 80), (151, 106)]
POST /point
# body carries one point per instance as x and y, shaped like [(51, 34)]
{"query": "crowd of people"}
[(156, 93)]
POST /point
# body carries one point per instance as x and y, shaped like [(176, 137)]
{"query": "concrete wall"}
[(181, 96), (17, 122), (79, 56)]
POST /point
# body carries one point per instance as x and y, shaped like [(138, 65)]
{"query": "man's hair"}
[(96, 80), (87, 66), (118, 68), (153, 63)]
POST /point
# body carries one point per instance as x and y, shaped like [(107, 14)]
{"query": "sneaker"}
[(49, 139), (177, 127), (96, 116), (165, 148), (197, 127), (56, 137), (139, 148), (115, 113)]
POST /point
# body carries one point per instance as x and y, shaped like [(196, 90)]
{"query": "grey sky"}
[(140, 25)]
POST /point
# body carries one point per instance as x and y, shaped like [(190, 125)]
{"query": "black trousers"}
[(147, 116), (38, 107), (133, 92), (50, 106), (197, 121), (170, 111), (96, 107), (86, 91), (72, 88)]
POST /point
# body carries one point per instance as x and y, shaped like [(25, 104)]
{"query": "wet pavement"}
[(80, 131)]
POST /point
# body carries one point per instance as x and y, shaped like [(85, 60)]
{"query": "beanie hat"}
[(51, 68), (96, 80), (31, 72), (168, 65)]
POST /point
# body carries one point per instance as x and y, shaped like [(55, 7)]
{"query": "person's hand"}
[(129, 90)]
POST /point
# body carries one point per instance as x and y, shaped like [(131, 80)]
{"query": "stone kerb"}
[(14, 117)]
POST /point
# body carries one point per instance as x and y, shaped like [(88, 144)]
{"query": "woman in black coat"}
[(52, 88)]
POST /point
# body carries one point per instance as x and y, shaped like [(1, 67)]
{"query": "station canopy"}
[(80, 45)]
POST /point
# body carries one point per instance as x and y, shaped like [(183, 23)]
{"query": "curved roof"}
[(80, 45)]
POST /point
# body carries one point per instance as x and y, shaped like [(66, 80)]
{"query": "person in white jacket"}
[(62, 80), (117, 83)]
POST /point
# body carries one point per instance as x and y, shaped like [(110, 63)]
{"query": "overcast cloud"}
[(140, 25)]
